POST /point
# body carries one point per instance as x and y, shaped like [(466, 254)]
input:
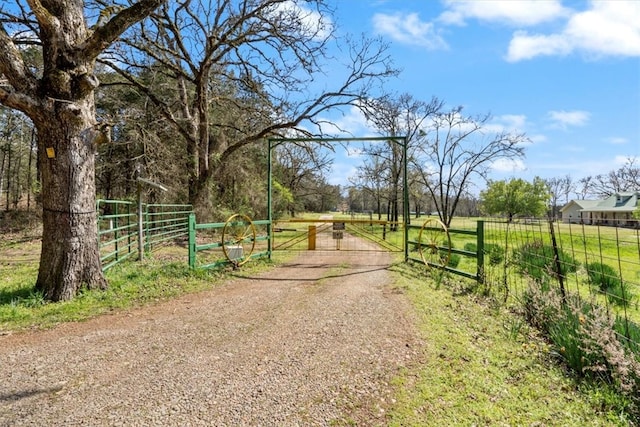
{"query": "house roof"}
[(581, 204), (619, 202)]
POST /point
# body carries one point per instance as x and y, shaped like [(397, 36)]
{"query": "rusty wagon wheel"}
[(238, 239), (434, 244)]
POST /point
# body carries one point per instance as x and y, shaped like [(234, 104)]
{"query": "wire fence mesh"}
[(599, 264)]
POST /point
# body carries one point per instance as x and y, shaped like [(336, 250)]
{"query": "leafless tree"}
[(396, 116), (59, 99), (625, 178), (457, 148), (299, 167), (582, 188), (371, 178), (237, 71), (559, 190)]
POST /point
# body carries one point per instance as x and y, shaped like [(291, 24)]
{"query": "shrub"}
[(620, 296), (629, 333), (603, 276), (536, 260), (494, 252), (608, 282)]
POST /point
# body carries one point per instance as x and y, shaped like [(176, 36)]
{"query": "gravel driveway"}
[(313, 342)]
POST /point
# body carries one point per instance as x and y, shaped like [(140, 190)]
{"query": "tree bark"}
[(70, 258)]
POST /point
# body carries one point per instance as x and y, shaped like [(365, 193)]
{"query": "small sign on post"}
[(338, 234)]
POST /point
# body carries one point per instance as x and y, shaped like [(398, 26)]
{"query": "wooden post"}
[(312, 238)]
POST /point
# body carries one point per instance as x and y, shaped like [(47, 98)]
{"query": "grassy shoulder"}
[(485, 366), (131, 284)]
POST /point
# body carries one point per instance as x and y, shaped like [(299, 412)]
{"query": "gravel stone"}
[(315, 342)]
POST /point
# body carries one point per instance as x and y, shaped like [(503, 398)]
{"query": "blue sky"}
[(566, 73)]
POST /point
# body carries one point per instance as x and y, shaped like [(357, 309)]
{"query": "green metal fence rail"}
[(211, 254), (477, 255), (165, 223), (119, 228), (117, 231)]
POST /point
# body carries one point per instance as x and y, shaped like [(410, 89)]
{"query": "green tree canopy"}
[(515, 197)]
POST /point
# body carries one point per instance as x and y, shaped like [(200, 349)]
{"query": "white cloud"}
[(523, 46), (508, 165), (340, 174), (621, 160), (617, 140), (409, 29), (512, 122), (351, 123), (564, 119), (611, 27), (517, 13), (509, 123), (312, 23), (607, 28)]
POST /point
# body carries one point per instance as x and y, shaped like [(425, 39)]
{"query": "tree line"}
[(97, 94), (181, 92)]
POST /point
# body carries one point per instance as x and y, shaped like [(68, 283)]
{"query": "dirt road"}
[(314, 342)]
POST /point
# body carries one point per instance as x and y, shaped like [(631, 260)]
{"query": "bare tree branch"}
[(48, 23), (13, 67), (106, 34), (242, 71)]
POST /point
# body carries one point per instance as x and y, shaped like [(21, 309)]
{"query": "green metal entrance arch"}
[(401, 140)]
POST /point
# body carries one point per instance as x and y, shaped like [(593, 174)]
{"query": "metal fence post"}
[(140, 229), (480, 254), (115, 228), (148, 226), (192, 240), (128, 228), (557, 264)]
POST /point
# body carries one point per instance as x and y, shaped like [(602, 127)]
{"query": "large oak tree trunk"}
[(70, 256), (60, 103)]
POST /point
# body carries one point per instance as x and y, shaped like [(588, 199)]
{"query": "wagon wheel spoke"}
[(238, 239), (434, 244), (241, 235)]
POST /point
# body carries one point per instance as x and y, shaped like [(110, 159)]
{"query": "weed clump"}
[(493, 252), (588, 339), (608, 282), (537, 260)]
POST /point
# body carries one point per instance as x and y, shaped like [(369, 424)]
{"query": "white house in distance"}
[(616, 209)]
